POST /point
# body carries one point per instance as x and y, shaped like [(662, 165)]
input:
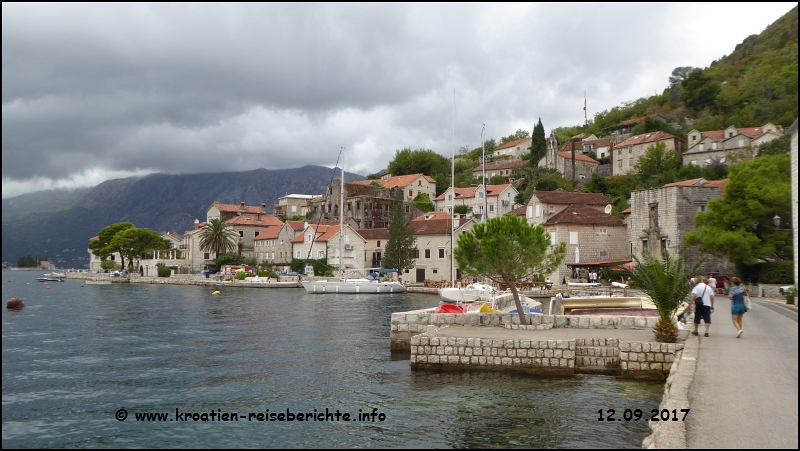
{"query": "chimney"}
[(241, 208), (196, 224), (263, 208)]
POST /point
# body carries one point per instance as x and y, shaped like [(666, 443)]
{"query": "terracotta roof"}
[(270, 233), (512, 143), (436, 225), (717, 135), (718, 184), (324, 231), (578, 157), (626, 211), (692, 182), (560, 196), (391, 181), (432, 215), (585, 215), (645, 138), (254, 220), (521, 211), (296, 225), (468, 193), (374, 234), (516, 164), (230, 208)]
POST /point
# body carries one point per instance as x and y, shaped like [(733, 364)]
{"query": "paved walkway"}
[(550, 334), (744, 392)]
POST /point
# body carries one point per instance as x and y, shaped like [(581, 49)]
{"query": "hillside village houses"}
[(627, 153), (292, 205), (562, 162), (716, 145), (434, 232), (498, 200), (501, 169), (511, 151)]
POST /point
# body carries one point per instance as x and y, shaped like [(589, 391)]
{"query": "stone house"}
[(497, 200), (225, 212), (660, 217), (433, 232), (375, 246), (716, 145), (322, 242), (248, 227), (627, 153), (368, 202), (792, 132), (591, 235), (502, 169), (562, 161), (292, 205), (600, 146), (511, 151), (543, 205)]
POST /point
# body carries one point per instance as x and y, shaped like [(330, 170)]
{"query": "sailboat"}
[(350, 286)]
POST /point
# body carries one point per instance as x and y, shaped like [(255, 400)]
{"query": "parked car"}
[(207, 272), (783, 290), (723, 281)]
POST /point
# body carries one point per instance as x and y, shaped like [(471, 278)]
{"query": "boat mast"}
[(453, 194), (485, 195), (341, 221)]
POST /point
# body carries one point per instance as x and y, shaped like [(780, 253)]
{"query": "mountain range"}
[(59, 223)]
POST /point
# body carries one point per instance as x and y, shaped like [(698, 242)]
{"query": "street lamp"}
[(777, 221)]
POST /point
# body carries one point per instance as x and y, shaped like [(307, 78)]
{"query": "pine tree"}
[(401, 245), (538, 144)]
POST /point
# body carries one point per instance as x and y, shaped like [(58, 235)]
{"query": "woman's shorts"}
[(704, 313), (737, 309)]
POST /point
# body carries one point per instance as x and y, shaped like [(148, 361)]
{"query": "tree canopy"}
[(400, 248), (538, 144), (507, 249), (739, 226), (218, 237), (102, 247)]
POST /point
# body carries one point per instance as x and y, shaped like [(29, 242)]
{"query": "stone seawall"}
[(404, 325), (187, 279), (540, 355)]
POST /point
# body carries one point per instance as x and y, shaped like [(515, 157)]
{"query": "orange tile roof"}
[(561, 196), (521, 211), (325, 232), (270, 233), (645, 138), (433, 215), (718, 184), (626, 211), (374, 234), (468, 193), (393, 181), (516, 164), (692, 182), (254, 220), (435, 226), (717, 135), (296, 225), (578, 157), (512, 143), (583, 215), (230, 208)]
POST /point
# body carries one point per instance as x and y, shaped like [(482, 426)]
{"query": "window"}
[(435, 270), (529, 212), (320, 254), (702, 147), (552, 209), (603, 254), (538, 210), (573, 237), (308, 238), (480, 195), (603, 231), (730, 134), (491, 207), (630, 162), (694, 137), (416, 253), (552, 237), (449, 197), (641, 149), (427, 253), (379, 244), (206, 256), (441, 252), (741, 143), (630, 150), (298, 254), (241, 234), (411, 193), (294, 208), (714, 146)]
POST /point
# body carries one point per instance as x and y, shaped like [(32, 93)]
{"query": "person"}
[(736, 295), (703, 298), (548, 283), (557, 306), (712, 283)]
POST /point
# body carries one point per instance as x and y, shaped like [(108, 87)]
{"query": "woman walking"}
[(737, 294)]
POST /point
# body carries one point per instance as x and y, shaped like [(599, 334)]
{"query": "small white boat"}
[(471, 293), (352, 286)]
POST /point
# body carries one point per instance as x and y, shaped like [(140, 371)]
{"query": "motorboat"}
[(49, 279), (473, 292)]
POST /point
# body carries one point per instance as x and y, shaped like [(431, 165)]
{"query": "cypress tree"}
[(538, 144)]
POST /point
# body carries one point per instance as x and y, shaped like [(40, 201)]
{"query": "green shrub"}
[(777, 272), (164, 271), (461, 209), (790, 295), (240, 274)]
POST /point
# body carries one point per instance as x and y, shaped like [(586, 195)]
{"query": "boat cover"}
[(449, 308)]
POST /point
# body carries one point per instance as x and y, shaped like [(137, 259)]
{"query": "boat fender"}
[(216, 293)]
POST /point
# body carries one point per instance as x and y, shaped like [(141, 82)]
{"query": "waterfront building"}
[(322, 242), (491, 201), (433, 232)]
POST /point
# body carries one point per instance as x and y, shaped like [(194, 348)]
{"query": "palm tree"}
[(667, 284), (218, 238)]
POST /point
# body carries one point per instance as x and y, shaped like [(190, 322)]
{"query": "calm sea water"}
[(76, 354)]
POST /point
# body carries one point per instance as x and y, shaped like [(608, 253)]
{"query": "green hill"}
[(755, 84)]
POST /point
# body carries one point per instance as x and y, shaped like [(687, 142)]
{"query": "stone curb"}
[(672, 434)]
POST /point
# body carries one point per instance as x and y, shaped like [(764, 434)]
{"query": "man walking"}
[(703, 298)]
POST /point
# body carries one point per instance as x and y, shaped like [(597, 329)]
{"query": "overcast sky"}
[(99, 91)]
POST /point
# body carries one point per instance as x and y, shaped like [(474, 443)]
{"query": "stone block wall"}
[(640, 359), (550, 357)]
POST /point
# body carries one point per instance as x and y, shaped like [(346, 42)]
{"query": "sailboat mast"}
[(453, 194), (341, 221)]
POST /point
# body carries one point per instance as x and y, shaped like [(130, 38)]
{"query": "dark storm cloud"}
[(196, 87)]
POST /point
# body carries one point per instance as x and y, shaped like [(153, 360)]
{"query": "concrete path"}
[(744, 393)]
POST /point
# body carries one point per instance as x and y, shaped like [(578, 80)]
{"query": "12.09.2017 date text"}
[(638, 414)]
